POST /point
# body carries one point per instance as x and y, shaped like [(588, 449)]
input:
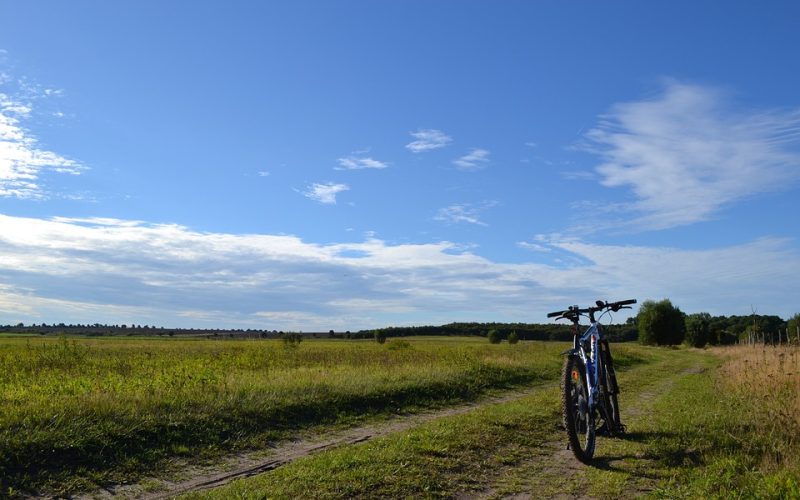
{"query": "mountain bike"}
[(589, 383)]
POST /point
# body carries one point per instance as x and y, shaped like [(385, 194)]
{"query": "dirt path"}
[(197, 478)]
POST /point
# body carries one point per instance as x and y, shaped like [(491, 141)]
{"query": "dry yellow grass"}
[(765, 382)]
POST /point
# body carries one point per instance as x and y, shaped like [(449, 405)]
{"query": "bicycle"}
[(589, 382)]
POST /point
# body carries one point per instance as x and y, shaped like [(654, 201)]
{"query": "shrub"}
[(513, 338), (494, 336), (380, 336), (291, 340)]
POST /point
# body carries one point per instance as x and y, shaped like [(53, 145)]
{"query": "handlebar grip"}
[(625, 302), (554, 314)]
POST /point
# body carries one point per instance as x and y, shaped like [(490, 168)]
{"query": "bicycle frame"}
[(591, 360)]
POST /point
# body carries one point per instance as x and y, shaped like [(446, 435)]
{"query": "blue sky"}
[(317, 165)]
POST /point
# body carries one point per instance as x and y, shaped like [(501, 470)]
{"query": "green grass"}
[(436, 459), (732, 448), (75, 413), (452, 455), (687, 439)]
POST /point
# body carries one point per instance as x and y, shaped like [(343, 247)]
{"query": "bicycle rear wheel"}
[(579, 421)]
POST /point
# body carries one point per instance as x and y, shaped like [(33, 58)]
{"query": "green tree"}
[(513, 338), (792, 325), (380, 336), (697, 329), (660, 323), (494, 336)]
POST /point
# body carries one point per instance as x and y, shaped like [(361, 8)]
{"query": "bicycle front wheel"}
[(579, 420)]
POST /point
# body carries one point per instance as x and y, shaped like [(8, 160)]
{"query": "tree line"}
[(522, 331), (657, 323)]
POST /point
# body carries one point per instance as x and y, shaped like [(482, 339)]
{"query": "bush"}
[(399, 345), (291, 340), (380, 336), (660, 323), (513, 338), (494, 336), (791, 327)]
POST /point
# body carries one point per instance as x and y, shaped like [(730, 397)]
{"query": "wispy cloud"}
[(325, 193), (534, 247), (466, 213), (476, 159), (427, 140), (22, 161), (579, 175), (263, 173), (687, 153), (123, 271), (354, 162)]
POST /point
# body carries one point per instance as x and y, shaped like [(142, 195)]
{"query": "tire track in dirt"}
[(243, 465)]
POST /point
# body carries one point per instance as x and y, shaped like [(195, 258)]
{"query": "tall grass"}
[(74, 413), (765, 383)]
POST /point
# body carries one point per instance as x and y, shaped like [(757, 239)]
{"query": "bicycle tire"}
[(578, 420)]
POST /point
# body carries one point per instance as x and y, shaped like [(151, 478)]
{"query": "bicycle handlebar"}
[(574, 311)]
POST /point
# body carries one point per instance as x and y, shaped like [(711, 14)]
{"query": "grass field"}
[(75, 413), (78, 413)]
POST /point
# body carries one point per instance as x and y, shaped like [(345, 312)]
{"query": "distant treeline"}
[(525, 331), (722, 330), (729, 329), (99, 330)]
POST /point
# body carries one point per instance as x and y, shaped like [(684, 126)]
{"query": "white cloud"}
[(119, 271), (353, 162), (427, 140), (474, 160), (325, 193), (22, 160), (263, 173), (463, 213), (686, 153), (535, 247)]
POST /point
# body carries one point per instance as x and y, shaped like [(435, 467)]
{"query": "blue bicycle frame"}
[(591, 360)]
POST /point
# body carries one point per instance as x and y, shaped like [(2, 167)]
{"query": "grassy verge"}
[(77, 413)]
